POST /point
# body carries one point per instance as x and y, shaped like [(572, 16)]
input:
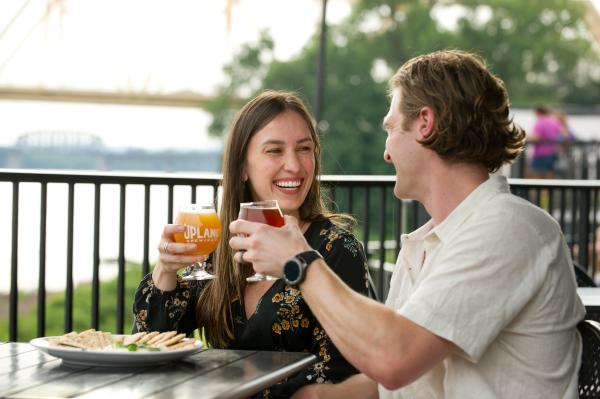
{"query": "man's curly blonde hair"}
[(470, 104)]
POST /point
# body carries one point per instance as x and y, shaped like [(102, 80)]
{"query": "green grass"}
[(82, 308)]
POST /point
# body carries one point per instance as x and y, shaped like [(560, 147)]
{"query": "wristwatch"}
[(294, 270)]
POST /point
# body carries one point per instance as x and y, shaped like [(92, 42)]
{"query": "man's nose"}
[(386, 156)]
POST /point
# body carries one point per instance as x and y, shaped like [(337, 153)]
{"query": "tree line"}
[(542, 50)]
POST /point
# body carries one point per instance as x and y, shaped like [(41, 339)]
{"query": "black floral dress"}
[(282, 320)]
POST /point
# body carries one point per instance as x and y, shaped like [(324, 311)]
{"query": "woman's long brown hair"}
[(213, 309)]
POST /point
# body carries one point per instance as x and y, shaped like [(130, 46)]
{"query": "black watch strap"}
[(309, 256), (294, 269)]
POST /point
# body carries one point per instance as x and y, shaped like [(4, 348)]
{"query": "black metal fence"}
[(381, 221), (382, 218)]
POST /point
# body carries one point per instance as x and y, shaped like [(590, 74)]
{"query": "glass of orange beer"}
[(266, 212), (202, 227)]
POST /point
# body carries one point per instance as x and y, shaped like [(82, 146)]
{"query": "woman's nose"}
[(292, 163)]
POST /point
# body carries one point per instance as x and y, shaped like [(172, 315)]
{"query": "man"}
[(482, 302)]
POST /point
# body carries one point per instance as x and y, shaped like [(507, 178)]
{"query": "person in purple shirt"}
[(547, 128)]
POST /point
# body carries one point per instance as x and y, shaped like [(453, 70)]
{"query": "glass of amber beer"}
[(266, 212), (202, 227)]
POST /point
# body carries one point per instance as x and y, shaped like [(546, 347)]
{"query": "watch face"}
[(291, 271)]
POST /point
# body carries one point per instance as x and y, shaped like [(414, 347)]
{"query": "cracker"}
[(106, 339), (155, 339), (88, 339), (148, 337), (71, 341), (162, 337), (131, 339), (182, 345), (174, 340)]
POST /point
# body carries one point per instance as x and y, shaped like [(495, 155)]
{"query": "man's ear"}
[(426, 122)]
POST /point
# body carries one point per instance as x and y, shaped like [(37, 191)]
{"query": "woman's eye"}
[(274, 151), (305, 149)]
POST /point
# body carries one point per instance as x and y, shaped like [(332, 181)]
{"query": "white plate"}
[(76, 357)]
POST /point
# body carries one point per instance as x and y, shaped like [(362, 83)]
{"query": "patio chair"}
[(583, 279), (589, 374)]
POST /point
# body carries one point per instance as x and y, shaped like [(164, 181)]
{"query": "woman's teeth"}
[(288, 184)]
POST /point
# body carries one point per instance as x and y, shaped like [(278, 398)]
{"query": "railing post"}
[(366, 225), (121, 275), (382, 252), (518, 167), (584, 228), (146, 260), (41, 299), (69, 280), (14, 289), (584, 164), (596, 151), (594, 226), (96, 259), (399, 208), (170, 205)]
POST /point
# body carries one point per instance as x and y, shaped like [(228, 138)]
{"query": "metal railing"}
[(381, 221), (576, 160)]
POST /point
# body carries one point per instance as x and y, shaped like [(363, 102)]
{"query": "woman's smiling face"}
[(280, 162)]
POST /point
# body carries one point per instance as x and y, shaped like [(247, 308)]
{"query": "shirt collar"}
[(418, 234), (484, 192)]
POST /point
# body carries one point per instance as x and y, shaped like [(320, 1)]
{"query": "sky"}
[(155, 46)]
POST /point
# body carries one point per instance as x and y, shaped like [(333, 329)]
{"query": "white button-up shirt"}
[(496, 279)]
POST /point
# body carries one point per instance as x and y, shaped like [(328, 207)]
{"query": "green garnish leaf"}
[(132, 347)]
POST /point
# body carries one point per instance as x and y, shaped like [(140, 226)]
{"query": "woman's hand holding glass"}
[(172, 257), (202, 228), (188, 242)]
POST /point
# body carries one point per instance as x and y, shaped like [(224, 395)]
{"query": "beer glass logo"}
[(200, 233)]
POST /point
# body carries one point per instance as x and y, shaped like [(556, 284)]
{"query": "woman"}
[(272, 152)]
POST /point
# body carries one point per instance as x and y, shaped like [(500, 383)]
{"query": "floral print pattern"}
[(281, 321), (175, 303), (336, 233), (289, 317), (319, 374)]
